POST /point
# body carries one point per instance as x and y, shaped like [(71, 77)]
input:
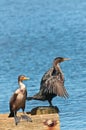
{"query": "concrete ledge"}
[(39, 121)]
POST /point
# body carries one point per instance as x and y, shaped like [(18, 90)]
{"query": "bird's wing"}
[(54, 86), (18, 99), (13, 99), (46, 76)]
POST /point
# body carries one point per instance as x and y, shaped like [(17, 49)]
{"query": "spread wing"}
[(53, 85), (46, 76)]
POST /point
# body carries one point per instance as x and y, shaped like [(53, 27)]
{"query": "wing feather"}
[(54, 86)]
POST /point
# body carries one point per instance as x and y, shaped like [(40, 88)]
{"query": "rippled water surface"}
[(32, 34)]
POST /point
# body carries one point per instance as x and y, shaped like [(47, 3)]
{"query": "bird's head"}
[(22, 77), (60, 59)]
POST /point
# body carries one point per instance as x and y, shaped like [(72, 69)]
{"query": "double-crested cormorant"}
[(18, 99), (52, 83)]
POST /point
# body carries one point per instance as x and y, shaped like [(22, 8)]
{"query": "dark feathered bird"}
[(18, 99), (52, 83)]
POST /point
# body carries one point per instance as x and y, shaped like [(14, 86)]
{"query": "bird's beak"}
[(26, 78), (64, 59)]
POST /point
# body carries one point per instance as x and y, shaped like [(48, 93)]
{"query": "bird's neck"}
[(21, 85), (61, 76), (58, 68)]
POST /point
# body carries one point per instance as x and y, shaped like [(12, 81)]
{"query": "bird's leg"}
[(25, 117), (50, 103), (17, 120)]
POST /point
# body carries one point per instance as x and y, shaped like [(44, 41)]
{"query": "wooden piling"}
[(43, 118)]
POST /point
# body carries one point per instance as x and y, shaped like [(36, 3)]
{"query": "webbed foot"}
[(27, 118)]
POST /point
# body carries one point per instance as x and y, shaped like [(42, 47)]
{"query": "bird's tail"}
[(29, 98), (11, 114), (37, 96)]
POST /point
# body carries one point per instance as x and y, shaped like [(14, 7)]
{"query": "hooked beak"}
[(26, 78), (64, 59)]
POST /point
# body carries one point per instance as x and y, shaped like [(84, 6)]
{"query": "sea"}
[(32, 34)]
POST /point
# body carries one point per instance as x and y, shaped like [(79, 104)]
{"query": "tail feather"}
[(38, 96), (29, 98)]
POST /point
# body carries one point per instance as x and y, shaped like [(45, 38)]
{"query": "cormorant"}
[(52, 83), (18, 99)]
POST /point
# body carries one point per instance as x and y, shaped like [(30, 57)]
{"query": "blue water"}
[(32, 34)]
